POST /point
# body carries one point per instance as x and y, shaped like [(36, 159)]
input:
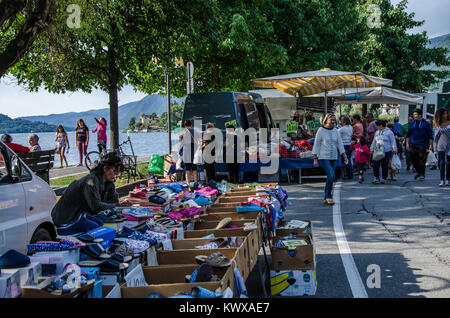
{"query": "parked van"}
[(247, 109), (25, 204)]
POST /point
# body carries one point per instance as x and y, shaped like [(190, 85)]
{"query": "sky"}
[(16, 102)]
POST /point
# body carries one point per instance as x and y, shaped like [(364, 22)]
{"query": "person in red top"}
[(7, 140), (362, 153)]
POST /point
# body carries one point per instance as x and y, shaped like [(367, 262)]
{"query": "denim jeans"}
[(349, 167), (384, 163), (443, 165), (329, 166)]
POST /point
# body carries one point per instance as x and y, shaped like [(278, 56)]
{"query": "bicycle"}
[(93, 158)]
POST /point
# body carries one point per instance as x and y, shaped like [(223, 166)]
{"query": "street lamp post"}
[(167, 78)]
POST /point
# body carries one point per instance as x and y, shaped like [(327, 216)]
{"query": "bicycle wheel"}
[(92, 159)]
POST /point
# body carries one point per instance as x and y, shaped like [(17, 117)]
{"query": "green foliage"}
[(176, 113), (132, 123), (11, 126)]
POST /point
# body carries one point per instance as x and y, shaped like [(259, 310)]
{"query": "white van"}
[(25, 204)]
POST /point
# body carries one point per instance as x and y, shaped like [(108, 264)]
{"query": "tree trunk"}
[(364, 110), (113, 101)]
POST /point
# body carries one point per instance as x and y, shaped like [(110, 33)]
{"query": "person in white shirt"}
[(385, 136), (346, 132), (326, 150)]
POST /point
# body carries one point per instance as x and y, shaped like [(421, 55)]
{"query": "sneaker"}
[(422, 178), (417, 176), (447, 183), (375, 181), (442, 183), (382, 181)]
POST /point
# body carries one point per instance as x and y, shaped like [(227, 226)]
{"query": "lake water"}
[(144, 144)]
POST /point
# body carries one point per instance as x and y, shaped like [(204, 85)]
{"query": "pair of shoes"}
[(382, 181), (375, 181), (329, 201), (442, 184)]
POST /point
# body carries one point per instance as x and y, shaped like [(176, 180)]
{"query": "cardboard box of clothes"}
[(192, 243), (188, 256), (300, 258), (308, 229), (233, 215), (28, 274), (165, 290), (10, 284), (293, 282)]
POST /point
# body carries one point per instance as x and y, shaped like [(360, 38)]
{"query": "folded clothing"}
[(191, 212), (207, 191), (249, 207)]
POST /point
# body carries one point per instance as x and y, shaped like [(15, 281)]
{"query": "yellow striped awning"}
[(315, 82)]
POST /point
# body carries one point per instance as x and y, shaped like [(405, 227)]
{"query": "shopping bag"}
[(431, 159), (198, 156), (179, 165), (156, 165), (396, 163), (378, 152)]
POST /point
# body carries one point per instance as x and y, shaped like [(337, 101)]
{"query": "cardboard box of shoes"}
[(292, 252)]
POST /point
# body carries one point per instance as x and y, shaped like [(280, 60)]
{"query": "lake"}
[(144, 144)]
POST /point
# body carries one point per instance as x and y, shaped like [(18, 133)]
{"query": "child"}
[(362, 153)]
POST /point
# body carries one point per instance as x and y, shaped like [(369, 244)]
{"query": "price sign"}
[(136, 278), (313, 124), (291, 127), (232, 122)]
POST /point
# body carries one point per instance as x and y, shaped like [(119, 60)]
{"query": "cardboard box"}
[(234, 215), (188, 256), (303, 258), (213, 209), (50, 264), (217, 233), (39, 292), (110, 279), (307, 230), (192, 243), (10, 284), (165, 290), (68, 257), (213, 224), (293, 282), (28, 275)]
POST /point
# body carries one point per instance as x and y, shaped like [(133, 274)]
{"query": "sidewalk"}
[(72, 171)]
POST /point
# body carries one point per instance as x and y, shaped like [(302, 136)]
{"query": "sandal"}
[(223, 223), (105, 265), (329, 201), (95, 251), (216, 259), (88, 238)]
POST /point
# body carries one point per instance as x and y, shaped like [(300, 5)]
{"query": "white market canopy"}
[(375, 95)]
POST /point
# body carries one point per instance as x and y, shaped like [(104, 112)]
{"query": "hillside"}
[(444, 42), (150, 104), (12, 126)]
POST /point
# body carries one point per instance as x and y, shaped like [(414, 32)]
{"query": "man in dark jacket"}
[(84, 198), (419, 139)]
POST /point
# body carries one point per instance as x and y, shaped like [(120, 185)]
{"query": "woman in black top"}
[(82, 139)]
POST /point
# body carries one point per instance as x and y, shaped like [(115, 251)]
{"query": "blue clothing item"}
[(239, 284), (420, 133), (349, 167), (397, 129), (201, 200), (251, 207), (329, 166), (84, 223)]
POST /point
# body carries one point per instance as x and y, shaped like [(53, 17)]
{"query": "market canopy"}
[(374, 95), (324, 80)]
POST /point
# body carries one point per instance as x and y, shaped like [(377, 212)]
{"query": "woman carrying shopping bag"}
[(383, 146)]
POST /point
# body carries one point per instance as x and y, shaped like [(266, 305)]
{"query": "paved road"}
[(403, 227), (70, 171)]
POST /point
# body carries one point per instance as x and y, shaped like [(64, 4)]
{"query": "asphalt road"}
[(403, 227)]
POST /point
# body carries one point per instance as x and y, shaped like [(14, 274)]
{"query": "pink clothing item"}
[(358, 130), (82, 150), (175, 216), (362, 153), (207, 191), (100, 130)]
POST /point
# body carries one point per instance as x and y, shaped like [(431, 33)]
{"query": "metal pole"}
[(166, 71)]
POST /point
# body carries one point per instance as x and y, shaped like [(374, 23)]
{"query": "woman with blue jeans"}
[(385, 136), (327, 147)]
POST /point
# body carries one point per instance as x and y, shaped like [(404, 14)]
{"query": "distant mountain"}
[(444, 42), (12, 126), (148, 105)]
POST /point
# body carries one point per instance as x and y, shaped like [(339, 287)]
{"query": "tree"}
[(389, 51), (21, 23), (446, 87), (132, 123), (107, 52)]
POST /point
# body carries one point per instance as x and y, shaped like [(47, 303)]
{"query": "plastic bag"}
[(378, 152), (156, 165), (396, 163), (431, 159), (179, 164), (198, 156)]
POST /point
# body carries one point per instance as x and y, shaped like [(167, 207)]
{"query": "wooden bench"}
[(40, 162)]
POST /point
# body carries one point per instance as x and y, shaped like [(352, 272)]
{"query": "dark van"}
[(247, 109)]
